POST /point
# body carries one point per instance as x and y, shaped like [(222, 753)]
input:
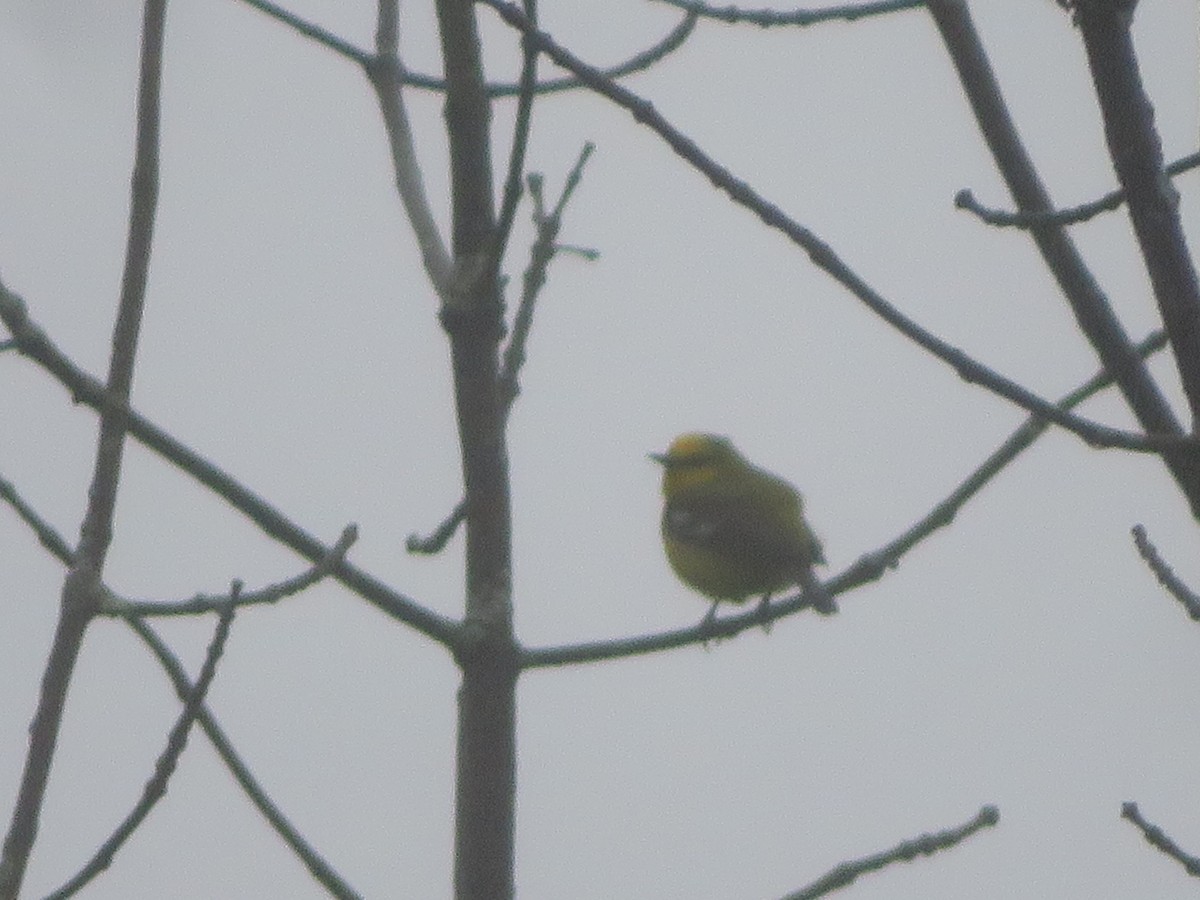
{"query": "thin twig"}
[(319, 868), (873, 566), (1188, 598), (156, 787), (47, 536), (1073, 215), (1092, 309), (520, 144), (1160, 840), (823, 256), (544, 248), (312, 31), (870, 567), (925, 845), (35, 345), (765, 18), (639, 62), (591, 254), (201, 603), (437, 540), (386, 74), (80, 594), (313, 861)]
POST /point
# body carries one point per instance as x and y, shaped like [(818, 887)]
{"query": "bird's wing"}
[(737, 527)]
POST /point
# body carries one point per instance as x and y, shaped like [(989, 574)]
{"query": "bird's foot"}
[(764, 607), (707, 625)]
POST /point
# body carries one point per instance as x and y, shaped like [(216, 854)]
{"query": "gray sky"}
[(1024, 657)]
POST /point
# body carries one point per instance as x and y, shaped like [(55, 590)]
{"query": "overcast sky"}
[(1023, 657)]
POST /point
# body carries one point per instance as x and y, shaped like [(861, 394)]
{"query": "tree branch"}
[(826, 259), (436, 541), (315, 863), (80, 594), (320, 869), (520, 143), (473, 319), (1188, 598), (1073, 215), (34, 344), (46, 534), (312, 31), (544, 249), (765, 18), (1091, 307), (156, 787), (925, 845), (121, 607), (386, 74), (870, 567), (1160, 840), (1136, 152), (639, 62)]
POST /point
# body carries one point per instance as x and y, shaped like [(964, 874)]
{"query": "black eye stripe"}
[(693, 462)]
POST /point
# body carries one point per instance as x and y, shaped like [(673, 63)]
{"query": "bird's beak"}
[(661, 458)]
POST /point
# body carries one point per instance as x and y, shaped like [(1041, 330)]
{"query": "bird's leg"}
[(763, 606), (814, 592), (710, 617)]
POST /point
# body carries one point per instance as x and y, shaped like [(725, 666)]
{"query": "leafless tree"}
[(487, 349)]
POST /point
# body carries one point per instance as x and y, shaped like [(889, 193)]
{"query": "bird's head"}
[(695, 458)]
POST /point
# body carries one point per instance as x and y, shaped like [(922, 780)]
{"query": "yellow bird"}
[(732, 530)]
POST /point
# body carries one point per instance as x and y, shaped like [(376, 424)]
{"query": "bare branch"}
[(201, 603), (80, 594), (543, 251), (1136, 151), (1189, 599), (314, 32), (240, 771), (591, 254), (765, 18), (520, 143), (386, 74), (965, 199), (823, 256), (1159, 839), (47, 536), (925, 845), (156, 787), (636, 63), (870, 567), (316, 864), (35, 345), (669, 43), (873, 565), (485, 759), (1091, 307), (436, 542)]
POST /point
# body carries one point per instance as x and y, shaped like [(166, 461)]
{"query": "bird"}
[(732, 531)]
